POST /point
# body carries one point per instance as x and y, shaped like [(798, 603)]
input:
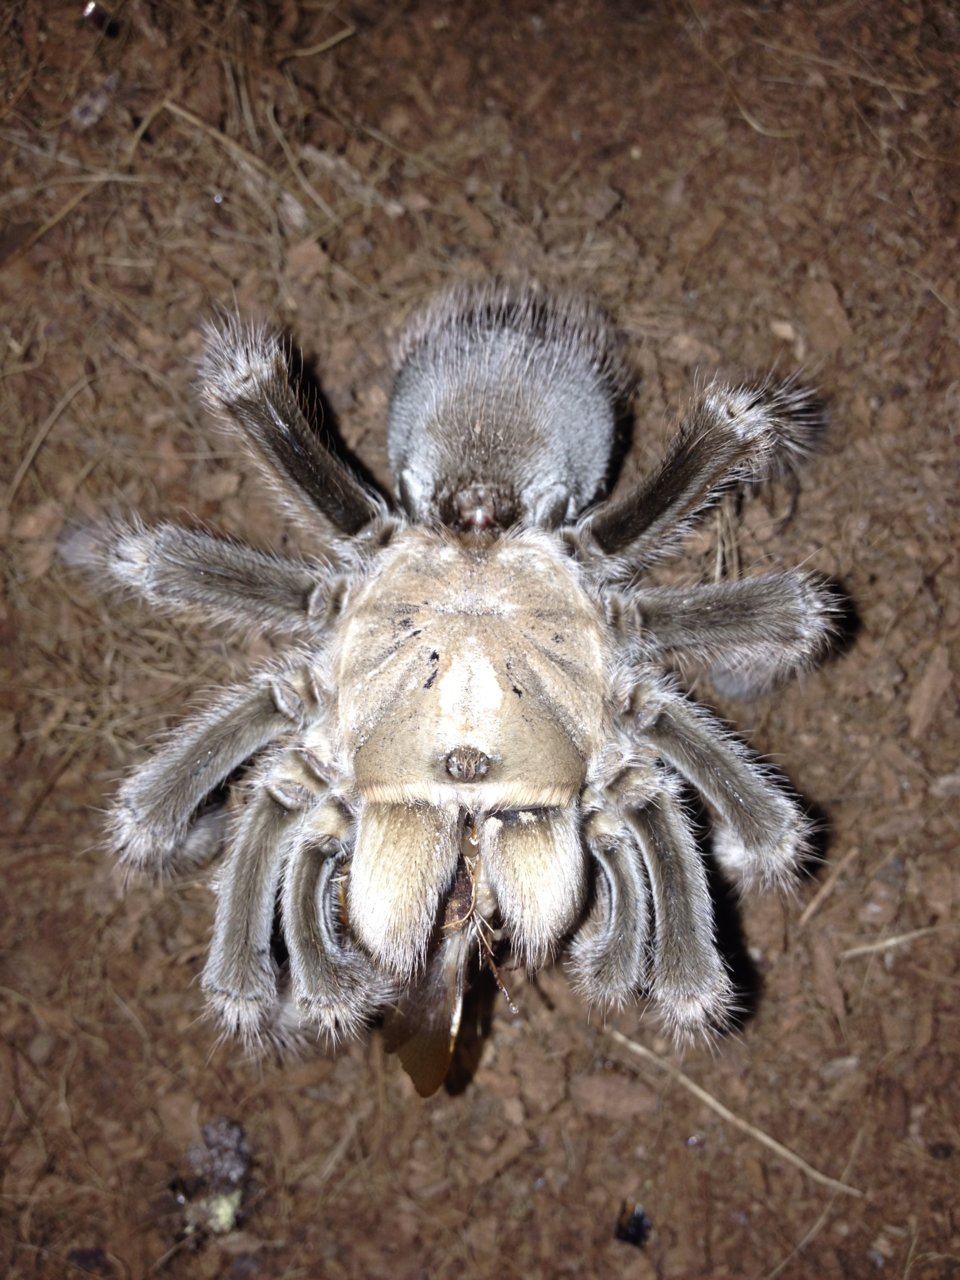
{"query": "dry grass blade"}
[(731, 1118), (821, 1220), (828, 886), (86, 742), (765, 131), (224, 141), (61, 213), (854, 73), (324, 46), (42, 432), (887, 944), (291, 160)]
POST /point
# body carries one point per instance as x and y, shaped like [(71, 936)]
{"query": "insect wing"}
[(421, 1028)]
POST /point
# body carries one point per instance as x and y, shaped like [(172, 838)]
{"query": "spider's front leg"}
[(292, 833), (209, 580), (611, 953), (157, 821), (334, 985), (689, 979), (763, 832), (240, 976), (651, 927)]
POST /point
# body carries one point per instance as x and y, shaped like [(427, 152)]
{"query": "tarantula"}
[(473, 739)]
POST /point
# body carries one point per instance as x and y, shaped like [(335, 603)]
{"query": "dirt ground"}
[(743, 186)]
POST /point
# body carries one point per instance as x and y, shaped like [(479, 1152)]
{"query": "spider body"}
[(474, 735)]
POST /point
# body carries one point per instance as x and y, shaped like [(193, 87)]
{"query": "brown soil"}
[(743, 187)]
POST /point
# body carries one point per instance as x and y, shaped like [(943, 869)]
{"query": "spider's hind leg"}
[(211, 580), (731, 434), (751, 634), (244, 378)]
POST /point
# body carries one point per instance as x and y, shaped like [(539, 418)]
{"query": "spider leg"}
[(753, 633), (244, 376), (611, 952), (155, 822), (211, 580), (732, 434), (333, 983), (240, 975), (763, 830), (688, 979)]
